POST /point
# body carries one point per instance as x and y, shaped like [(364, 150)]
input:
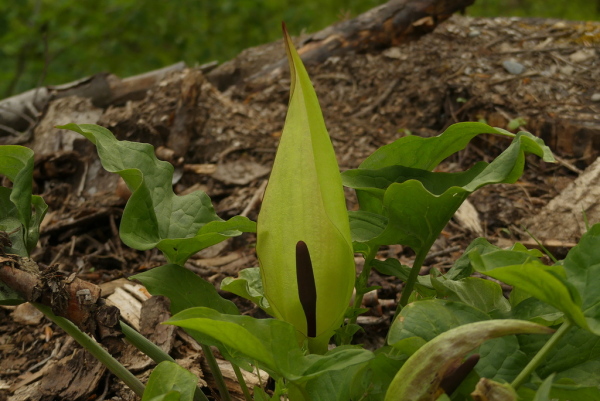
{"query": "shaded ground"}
[(223, 141)]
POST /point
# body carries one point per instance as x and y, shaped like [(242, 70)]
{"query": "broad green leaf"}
[(376, 182), (170, 382), (11, 225), (367, 381), (392, 267), (245, 336), (170, 396), (419, 203), (543, 392), (426, 153), (364, 226), (21, 213), (248, 285), (420, 377), (184, 289), (574, 392), (575, 357), (428, 319), (546, 283), (373, 379), (575, 360), (536, 311), (518, 295), (463, 268), (406, 347), (304, 203), (261, 395), (415, 216), (154, 216), (271, 343), (333, 385), (501, 358), (479, 293), (582, 266), (563, 392)]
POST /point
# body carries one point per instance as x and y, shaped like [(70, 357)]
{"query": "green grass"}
[(49, 42)]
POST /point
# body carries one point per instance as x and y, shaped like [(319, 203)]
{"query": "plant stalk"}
[(144, 345), (95, 349), (541, 355), (364, 278), (153, 351), (242, 382), (412, 279), (216, 372)]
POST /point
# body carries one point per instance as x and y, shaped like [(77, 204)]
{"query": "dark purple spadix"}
[(307, 289)]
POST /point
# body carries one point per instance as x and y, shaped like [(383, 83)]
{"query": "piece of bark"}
[(27, 393), (27, 314), (241, 172), (29, 377), (129, 303), (48, 139), (156, 311), (75, 377), (153, 313), (574, 134), (392, 23), (468, 218), (185, 120), (562, 218)]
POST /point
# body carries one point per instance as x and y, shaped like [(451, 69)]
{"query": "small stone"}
[(560, 25), (27, 314), (393, 53), (596, 97), (474, 33), (582, 55), (567, 70), (513, 67)]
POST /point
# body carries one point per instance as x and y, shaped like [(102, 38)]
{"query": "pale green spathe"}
[(304, 201)]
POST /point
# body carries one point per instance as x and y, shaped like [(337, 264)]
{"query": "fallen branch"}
[(67, 296)]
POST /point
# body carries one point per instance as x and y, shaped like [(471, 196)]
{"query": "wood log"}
[(392, 23), (20, 112)]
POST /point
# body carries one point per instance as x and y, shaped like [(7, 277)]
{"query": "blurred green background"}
[(49, 42)]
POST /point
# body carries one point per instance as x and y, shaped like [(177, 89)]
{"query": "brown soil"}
[(223, 141)]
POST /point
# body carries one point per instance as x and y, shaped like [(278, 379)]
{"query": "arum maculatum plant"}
[(452, 337), (303, 233)]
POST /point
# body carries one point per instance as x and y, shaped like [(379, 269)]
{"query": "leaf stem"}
[(95, 349), (242, 382), (412, 279), (216, 372), (153, 351), (363, 278), (541, 354), (144, 345)]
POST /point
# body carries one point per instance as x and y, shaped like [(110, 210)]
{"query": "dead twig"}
[(255, 198)]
